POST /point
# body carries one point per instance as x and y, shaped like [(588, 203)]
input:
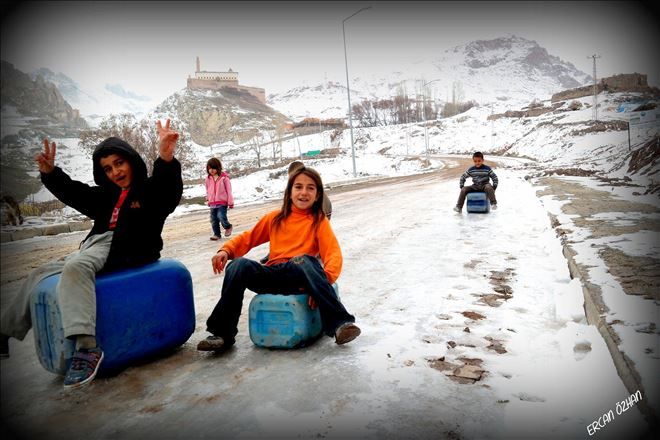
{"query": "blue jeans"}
[(300, 273), (219, 216), (487, 188)]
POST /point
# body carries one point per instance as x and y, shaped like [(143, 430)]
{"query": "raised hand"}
[(168, 139), (46, 159)]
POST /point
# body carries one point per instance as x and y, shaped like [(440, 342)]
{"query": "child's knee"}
[(78, 267), (239, 266)]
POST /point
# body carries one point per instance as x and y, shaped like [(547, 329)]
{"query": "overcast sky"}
[(150, 47)]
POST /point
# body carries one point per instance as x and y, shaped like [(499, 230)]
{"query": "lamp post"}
[(348, 86), (426, 135)]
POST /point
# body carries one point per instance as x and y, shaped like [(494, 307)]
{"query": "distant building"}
[(206, 80)]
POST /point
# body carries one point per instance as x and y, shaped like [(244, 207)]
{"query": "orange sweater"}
[(295, 236)]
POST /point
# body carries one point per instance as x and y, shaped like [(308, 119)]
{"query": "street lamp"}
[(426, 135), (348, 86)]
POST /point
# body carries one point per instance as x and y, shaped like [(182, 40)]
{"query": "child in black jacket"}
[(129, 210)]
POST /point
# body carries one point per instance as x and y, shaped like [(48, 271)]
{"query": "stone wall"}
[(631, 82), (205, 84), (626, 82), (13, 234)]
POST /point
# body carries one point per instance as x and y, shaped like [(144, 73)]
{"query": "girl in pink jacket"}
[(219, 197)]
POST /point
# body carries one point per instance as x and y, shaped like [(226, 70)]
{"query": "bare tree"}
[(141, 135), (272, 140), (280, 130), (457, 94), (256, 145)]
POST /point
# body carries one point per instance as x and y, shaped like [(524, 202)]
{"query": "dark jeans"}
[(488, 189), (300, 273), (219, 216)]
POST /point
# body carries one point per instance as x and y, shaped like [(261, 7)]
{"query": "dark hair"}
[(295, 164), (215, 164), (108, 151), (317, 211), (115, 145), (478, 154)]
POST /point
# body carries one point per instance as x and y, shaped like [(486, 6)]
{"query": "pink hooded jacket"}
[(218, 192)]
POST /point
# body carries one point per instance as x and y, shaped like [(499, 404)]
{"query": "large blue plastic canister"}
[(140, 312), (478, 202), (284, 321)]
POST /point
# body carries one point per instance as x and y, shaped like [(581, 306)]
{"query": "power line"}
[(595, 106)]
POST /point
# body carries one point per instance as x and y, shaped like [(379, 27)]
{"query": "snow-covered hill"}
[(323, 101), (509, 70)]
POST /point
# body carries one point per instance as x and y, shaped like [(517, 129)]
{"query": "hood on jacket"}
[(114, 145)]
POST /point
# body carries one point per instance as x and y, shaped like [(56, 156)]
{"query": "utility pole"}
[(595, 106), (348, 86)]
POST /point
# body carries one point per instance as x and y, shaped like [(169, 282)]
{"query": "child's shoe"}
[(215, 237), (211, 343), (346, 333), (84, 366), (457, 209), (493, 206), (228, 231)]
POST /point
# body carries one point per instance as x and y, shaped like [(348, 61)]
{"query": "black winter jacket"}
[(136, 239)]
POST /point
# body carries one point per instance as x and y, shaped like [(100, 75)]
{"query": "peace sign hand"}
[(168, 140), (46, 159)]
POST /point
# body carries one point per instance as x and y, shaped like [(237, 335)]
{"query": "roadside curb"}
[(595, 311), (37, 231)]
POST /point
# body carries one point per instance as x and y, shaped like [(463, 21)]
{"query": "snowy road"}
[(432, 291)]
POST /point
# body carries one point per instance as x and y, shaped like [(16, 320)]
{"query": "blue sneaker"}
[(84, 366)]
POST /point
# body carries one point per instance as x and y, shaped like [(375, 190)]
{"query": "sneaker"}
[(228, 231), (215, 237), (4, 346), (211, 343), (457, 209), (493, 206), (84, 366), (346, 333)]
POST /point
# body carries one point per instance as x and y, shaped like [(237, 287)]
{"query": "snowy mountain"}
[(96, 103), (511, 70)]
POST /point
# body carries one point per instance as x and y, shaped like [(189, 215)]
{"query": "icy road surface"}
[(471, 328)]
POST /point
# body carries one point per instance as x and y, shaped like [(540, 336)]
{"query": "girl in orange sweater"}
[(297, 233)]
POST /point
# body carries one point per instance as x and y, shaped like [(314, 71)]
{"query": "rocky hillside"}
[(215, 117), (31, 110), (521, 57), (38, 98)]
